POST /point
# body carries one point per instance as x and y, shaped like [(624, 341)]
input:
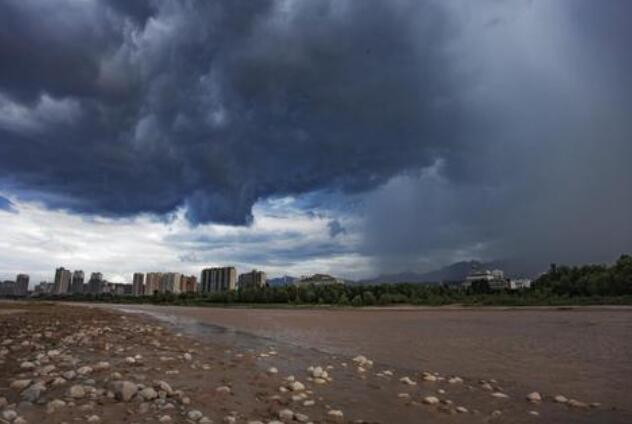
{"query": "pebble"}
[(20, 384), (273, 370), (577, 404), (461, 410), (296, 386), (500, 395), (93, 419), (84, 370), (335, 413), (286, 414), (534, 397), (165, 419), (9, 414), (125, 390), (76, 392), (194, 415), (560, 399), (187, 356), (431, 400), (455, 380), (407, 380), (149, 393), (223, 389)]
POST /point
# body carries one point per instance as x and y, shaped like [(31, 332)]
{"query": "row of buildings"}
[(212, 280), (17, 288)]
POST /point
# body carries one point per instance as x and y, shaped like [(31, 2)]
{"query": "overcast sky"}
[(349, 137)]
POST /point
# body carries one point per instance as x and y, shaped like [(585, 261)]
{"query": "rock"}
[(125, 390), (93, 419), (19, 420), (85, 370), (534, 397), (9, 414), (403, 396), (429, 377), (77, 391), (229, 419), (33, 393), (296, 386), (101, 366), (69, 375), (164, 386), (223, 389), (54, 404), (534, 413), (302, 418), (487, 386), (165, 419), (273, 370), (194, 415), (149, 393), (26, 365), (187, 356), (131, 361), (3, 402), (461, 410), (336, 414), (20, 384), (577, 404), (407, 380), (455, 380), (286, 414), (496, 413), (500, 395), (58, 381), (205, 420), (309, 402), (560, 399), (431, 400)]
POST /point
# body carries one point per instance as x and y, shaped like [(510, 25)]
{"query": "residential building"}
[(188, 284), (494, 280), (138, 282), (7, 288), (44, 288), (62, 281), (215, 280), (152, 283), (21, 285), (251, 280), (96, 284), (519, 284), (170, 282), (318, 280), (76, 285)]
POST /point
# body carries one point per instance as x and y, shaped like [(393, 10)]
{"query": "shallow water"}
[(585, 353)]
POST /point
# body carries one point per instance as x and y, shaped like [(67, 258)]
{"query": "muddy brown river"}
[(585, 353)]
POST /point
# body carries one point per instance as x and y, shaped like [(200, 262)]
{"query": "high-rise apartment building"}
[(188, 284), (215, 280), (170, 282), (152, 283), (252, 280), (96, 285), (76, 285), (138, 288), (62, 281), (21, 285)]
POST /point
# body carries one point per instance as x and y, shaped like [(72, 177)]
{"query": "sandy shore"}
[(61, 363)]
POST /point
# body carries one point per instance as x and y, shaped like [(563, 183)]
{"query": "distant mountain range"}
[(455, 272)]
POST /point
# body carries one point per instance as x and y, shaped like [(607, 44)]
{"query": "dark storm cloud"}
[(214, 105), (494, 130)]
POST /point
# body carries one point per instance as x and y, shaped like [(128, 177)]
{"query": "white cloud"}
[(283, 239)]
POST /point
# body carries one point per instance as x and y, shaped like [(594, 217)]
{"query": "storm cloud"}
[(452, 130)]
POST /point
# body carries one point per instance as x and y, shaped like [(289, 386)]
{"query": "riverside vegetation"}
[(563, 285)]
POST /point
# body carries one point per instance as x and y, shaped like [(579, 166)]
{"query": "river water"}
[(585, 353)]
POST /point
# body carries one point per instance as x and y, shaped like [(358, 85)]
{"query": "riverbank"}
[(236, 373)]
